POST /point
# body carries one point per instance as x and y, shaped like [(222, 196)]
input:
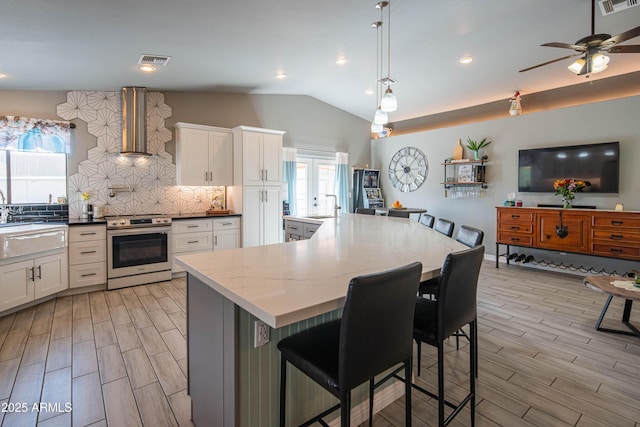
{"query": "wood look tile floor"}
[(119, 358)]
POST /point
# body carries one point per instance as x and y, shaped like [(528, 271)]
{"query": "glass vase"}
[(566, 203)]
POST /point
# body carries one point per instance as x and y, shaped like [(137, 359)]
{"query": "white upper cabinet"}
[(204, 155), (261, 155)]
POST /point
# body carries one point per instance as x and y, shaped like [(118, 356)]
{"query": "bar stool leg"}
[(441, 383), (473, 362), (419, 356), (407, 391), (283, 388), (371, 386), (345, 409)]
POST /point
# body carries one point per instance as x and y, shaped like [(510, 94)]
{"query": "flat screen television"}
[(596, 163)]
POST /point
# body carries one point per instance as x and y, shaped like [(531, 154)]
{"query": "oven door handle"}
[(142, 230)]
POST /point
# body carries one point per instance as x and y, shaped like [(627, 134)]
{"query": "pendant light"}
[(389, 102), (380, 117)]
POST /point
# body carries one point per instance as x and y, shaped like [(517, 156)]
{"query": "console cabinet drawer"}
[(84, 233), (192, 226), (616, 221), (515, 239), (616, 251), (515, 215), (616, 236), (226, 223), (516, 227)]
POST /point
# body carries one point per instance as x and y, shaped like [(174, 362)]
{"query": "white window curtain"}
[(342, 180), (27, 134), (289, 174)]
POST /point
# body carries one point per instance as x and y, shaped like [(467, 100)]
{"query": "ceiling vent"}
[(154, 59), (612, 6)]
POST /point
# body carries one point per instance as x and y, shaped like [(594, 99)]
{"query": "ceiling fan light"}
[(381, 117), (599, 62), (577, 66), (389, 102)]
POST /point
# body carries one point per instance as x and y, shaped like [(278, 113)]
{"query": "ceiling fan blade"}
[(634, 48), (629, 34), (565, 46), (550, 62)]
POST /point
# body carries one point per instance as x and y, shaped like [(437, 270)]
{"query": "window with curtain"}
[(315, 178), (33, 160)]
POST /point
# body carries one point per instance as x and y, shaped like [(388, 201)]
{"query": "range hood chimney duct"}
[(134, 121)]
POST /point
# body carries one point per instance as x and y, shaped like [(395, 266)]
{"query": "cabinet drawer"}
[(515, 215), (516, 227), (191, 242), (191, 226), (616, 251), (226, 223), (87, 274), (295, 227), (85, 252), (616, 221), (515, 239), (84, 233), (309, 229), (613, 237)]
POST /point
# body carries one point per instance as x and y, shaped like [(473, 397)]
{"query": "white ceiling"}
[(239, 45)]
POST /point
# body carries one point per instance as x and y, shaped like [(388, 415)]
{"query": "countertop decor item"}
[(567, 187)]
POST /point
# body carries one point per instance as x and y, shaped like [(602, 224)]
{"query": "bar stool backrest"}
[(399, 214), (427, 220), (366, 211), (470, 236), (444, 226)]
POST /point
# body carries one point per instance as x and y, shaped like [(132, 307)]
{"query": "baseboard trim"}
[(382, 399)]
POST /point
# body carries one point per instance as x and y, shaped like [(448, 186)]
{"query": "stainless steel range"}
[(139, 250)]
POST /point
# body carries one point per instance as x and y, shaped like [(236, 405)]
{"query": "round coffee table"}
[(603, 284)]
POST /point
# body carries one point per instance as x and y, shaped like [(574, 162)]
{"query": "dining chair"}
[(366, 211), (470, 236), (427, 220), (398, 214), (436, 320), (444, 226), (374, 334)]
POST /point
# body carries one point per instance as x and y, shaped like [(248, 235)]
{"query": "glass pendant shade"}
[(376, 128), (515, 109), (381, 117), (389, 103), (577, 66)]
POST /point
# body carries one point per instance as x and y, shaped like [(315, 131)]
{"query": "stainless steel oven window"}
[(139, 249)]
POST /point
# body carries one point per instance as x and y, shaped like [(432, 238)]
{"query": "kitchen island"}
[(289, 286)]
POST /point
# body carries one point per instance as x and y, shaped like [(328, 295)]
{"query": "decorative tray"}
[(212, 212)]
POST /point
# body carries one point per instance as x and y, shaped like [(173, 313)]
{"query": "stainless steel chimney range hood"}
[(134, 121)]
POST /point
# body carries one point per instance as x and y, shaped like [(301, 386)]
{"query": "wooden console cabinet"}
[(592, 232)]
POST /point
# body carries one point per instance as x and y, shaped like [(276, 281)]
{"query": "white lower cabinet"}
[(30, 279), (190, 236), (226, 233), (87, 255)]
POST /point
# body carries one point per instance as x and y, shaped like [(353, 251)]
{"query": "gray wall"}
[(615, 120)]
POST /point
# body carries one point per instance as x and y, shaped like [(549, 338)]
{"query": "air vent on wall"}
[(612, 6), (154, 59)]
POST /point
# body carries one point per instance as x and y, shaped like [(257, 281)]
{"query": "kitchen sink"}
[(20, 239)]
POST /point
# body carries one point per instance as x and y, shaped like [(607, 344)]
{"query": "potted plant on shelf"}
[(477, 146)]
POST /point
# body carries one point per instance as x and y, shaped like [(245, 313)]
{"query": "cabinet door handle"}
[(193, 241), (215, 240), (616, 250), (193, 226), (93, 233), (266, 174), (88, 274), (515, 239), (211, 176), (87, 252), (515, 216), (266, 196), (39, 272), (515, 227), (227, 223), (33, 274), (616, 237), (617, 222), (205, 176), (293, 228)]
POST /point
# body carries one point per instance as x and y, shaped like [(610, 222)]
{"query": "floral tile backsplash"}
[(150, 179)]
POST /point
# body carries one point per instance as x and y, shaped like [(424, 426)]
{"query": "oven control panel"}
[(137, 222)]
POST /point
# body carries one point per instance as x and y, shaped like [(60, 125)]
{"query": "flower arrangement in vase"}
[(567, 187)]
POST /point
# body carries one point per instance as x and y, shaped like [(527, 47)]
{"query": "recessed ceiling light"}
[(281, 76), (369, 91), (147, 68), (2, 76), (341, 61), (466, 60)]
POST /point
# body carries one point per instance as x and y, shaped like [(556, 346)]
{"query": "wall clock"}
[(408, 169)]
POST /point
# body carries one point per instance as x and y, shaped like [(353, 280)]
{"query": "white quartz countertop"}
[(289, 282)]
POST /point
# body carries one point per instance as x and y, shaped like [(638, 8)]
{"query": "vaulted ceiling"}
[(239, 46)]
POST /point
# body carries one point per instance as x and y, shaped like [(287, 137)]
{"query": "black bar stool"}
[(374, 334)]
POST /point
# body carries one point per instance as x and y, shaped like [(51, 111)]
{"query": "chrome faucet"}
[(335, 204)]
